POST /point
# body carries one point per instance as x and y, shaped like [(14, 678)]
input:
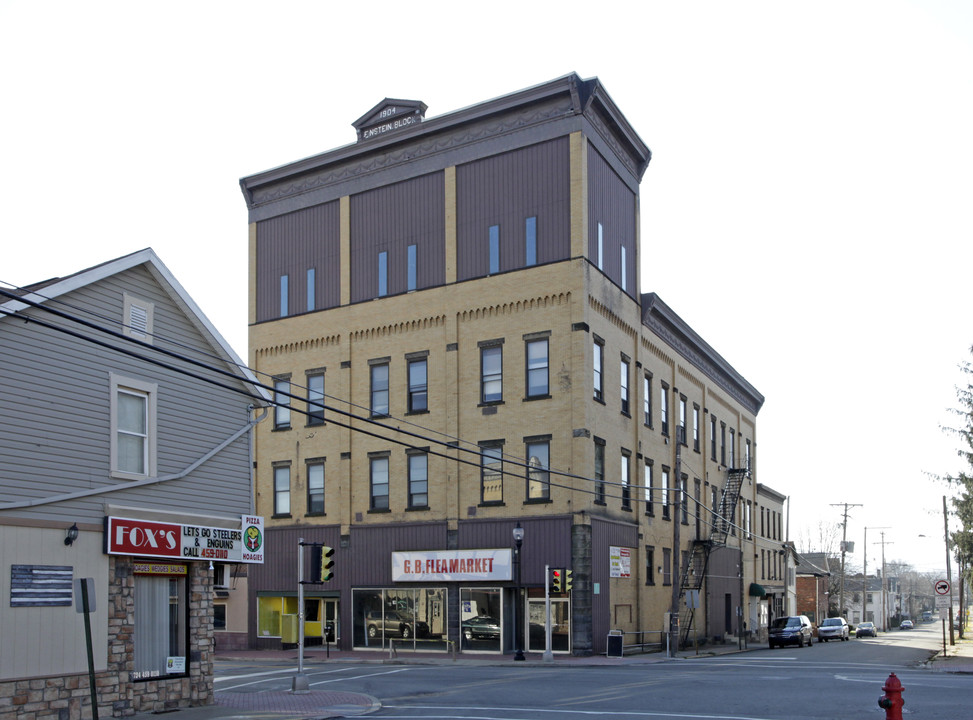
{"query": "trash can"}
[(615, 639)]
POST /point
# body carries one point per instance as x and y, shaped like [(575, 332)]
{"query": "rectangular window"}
[(418, 480), (665, 492), (161, 624), (667, 566), (282, 408), (530, 232), (283, 296), (599, 471), (315, 398), (418, 400), (132, 429), (624, 385), (315, 487), (379, 482), (626, 481), (494, 249), (648, 488), (310, 289), (664, 409), (647, 400), (491, 473), (733, 448), (747, 458), (712, 437), (599, 357), (649, 565), (537, 368), (413, 264), (722, 443), (684, 501), (282, 490), (383, 274), (491, 374), (380, 389), (601, 248), (538, 464), (695, 427), (682, 421), (624, 269)]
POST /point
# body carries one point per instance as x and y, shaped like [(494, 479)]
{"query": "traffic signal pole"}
[(548, 654), (300, 684)]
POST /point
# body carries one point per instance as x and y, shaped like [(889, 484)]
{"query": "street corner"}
[(308, 706)]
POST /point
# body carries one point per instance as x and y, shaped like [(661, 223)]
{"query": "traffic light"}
[(567, 580), (324, 562), (557, 578)]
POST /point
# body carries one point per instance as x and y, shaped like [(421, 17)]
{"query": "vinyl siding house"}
[(126, 465)]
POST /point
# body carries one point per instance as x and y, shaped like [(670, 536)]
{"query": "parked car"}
[(395, 624), (866, 629), (791, 630), (834, 628), (481, 627), (906, 625)]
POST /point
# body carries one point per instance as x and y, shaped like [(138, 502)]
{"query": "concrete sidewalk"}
[(331, 704)]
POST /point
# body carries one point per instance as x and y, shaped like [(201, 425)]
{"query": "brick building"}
[(450, 311)]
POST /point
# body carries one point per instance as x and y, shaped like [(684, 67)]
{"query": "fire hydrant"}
[(892, 701)]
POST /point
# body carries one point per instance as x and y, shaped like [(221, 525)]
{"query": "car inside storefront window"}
[(406, 619)]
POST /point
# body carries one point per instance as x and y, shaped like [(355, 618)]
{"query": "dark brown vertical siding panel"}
[(604, 535), (611, 203), (389, 219), (547, 541), (505, 190), (289, 245), (373, 547)]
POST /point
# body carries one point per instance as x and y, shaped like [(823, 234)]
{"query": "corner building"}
[(449, 311)]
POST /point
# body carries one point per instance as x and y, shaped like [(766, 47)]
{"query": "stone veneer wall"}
[(69, 697)]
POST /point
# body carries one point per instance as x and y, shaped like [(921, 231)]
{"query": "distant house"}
[(123, 462), (813, 575)]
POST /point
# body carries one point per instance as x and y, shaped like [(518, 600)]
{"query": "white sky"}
[(807, 208)]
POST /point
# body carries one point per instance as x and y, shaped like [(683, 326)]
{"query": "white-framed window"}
[(413, 268), (648, 488), (315, 487), (537, 368), (682, 420), (139, 316), (282, 400), (538, 466), (494, 241), (530, 244), (695, 427), (383, 274), (284, 292), (315, 398), (626, 480), (380, 388), (418, 399), (624, 269), (133, 427), (491, 472), (310, 289), (379, 482), (282, 489), (665, 492), (599, 363), (418, 480), (647, 400), (664, 409), (601, 247), (491, 373), (623, 382)]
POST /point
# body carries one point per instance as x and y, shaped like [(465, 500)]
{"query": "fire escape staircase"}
[(694, 572)]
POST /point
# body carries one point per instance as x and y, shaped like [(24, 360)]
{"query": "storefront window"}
[(408, 618), (161, 625), (481, 627), (560, 625)]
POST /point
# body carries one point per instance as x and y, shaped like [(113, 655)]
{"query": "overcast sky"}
[(807, 209)]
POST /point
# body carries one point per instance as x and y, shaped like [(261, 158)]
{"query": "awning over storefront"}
[(757, 590)]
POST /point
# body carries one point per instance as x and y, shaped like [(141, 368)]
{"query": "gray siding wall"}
[(290, 245), (389, 219), (613, 204), (55, 413), (722, 579), (505, 190)]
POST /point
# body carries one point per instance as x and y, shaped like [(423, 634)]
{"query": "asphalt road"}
[(828, 680)]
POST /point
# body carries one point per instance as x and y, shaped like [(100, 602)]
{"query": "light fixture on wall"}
[(72, 535)]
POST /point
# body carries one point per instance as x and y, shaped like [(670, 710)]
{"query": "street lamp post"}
[(518, 541)]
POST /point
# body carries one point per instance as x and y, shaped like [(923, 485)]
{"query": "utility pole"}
[(949, 576), (864, 616), (885, 616), (844, 545)]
